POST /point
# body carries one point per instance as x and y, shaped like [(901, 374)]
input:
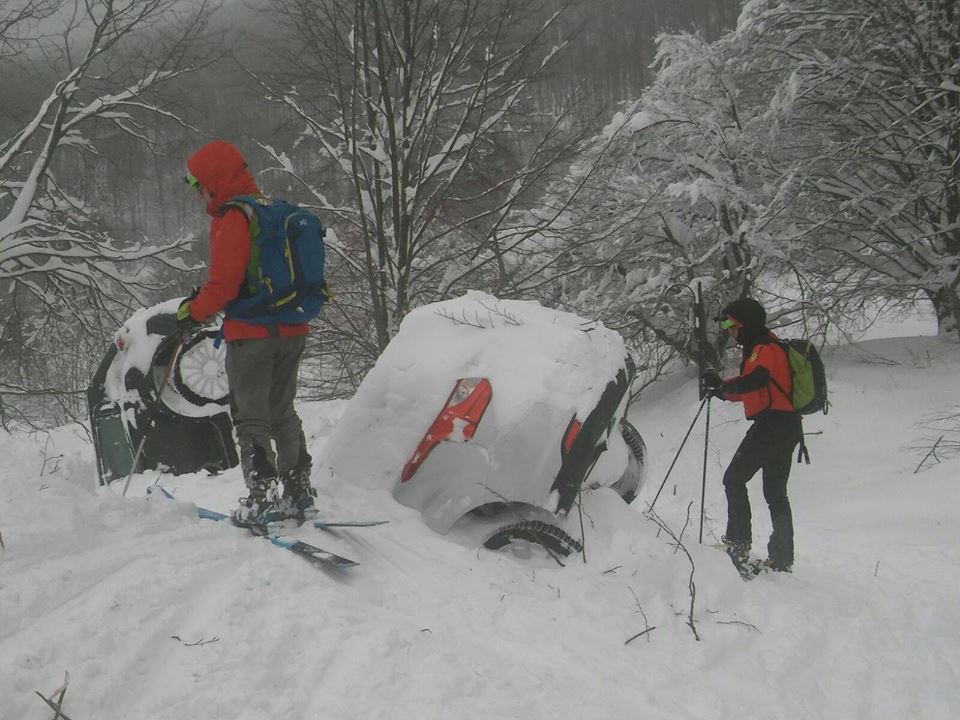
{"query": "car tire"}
[(628, 486), (190, 378), (540, 533)]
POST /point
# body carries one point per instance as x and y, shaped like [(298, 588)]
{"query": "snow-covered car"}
[(169, 394), (495, 413)]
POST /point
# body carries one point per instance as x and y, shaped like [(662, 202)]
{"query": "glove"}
[(185, 321), (711, 384)]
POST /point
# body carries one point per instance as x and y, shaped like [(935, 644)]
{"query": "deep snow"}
[(119, 591)]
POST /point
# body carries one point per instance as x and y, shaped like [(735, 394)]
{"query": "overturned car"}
[(494, 415), (160, 400)]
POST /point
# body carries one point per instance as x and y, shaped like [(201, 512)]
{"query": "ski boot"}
[(260, 506), (262, 503), (298, 500), (739, 553), (769, 565)]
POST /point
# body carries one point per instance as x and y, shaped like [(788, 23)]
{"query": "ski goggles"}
[(191, 181), (729, 324)]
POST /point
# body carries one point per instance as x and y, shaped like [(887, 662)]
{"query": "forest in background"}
[(619, 159)]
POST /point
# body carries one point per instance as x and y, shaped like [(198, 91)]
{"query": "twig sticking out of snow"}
[(57, 706), (678, 545), (198, 643), (508, 318), (647, 627), (477, 321), (933, 451), (640, 634), (463, 319), (747, 625)]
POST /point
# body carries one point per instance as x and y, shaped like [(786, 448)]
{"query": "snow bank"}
[(158, 615)]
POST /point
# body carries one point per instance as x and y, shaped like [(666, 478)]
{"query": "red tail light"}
[(573, 429), (457, 422)]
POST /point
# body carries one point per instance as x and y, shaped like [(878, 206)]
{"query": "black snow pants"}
[(768, 446)]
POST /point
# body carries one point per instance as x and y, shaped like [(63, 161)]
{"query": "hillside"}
[(158, 615)]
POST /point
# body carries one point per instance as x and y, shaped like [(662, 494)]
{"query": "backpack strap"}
[(803, 455), (773, 380), (802, 452), (247, 203)]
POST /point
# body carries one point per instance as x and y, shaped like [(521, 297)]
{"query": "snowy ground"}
[(158, 615)]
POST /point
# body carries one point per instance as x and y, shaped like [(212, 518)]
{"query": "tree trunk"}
[(946, 304)]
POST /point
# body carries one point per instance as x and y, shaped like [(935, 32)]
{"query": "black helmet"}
[(747, 311)]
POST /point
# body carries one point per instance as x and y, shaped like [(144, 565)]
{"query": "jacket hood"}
[(220, 168)]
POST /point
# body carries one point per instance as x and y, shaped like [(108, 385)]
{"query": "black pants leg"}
[(768, 445), (775, 475)]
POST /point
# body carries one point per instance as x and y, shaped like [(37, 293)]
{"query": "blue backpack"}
[(284, 282)]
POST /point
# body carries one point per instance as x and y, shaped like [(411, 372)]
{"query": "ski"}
[(208, 514), (317, 556), (325, 524)]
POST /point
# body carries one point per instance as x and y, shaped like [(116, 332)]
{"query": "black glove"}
[(711, 384)]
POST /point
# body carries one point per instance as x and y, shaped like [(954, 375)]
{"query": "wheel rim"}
[(200, 373)]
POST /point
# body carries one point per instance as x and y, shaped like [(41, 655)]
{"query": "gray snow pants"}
[(263, 383)]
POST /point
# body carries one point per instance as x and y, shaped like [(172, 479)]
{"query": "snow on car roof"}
[(527, 351)]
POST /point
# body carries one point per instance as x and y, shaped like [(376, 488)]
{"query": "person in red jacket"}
[(763, 386), (262, 360)]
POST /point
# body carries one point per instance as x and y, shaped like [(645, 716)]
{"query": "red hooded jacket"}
[(220, 168), (764, 394)]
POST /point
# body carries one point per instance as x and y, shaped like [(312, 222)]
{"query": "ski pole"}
[(153, 418), (703, 486), (684, 442)]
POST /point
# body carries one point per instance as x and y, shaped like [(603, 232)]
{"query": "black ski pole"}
[(684, 442), (703, 486)]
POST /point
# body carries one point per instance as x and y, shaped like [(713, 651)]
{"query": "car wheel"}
[(628, 485), (199, 373), (537, 532)]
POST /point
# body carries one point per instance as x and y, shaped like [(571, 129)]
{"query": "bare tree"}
[(417, 114), (60, 270)]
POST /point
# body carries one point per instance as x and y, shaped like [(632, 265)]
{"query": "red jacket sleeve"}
[(229, 256)]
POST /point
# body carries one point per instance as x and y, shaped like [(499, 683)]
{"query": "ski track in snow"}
[(867, 627)]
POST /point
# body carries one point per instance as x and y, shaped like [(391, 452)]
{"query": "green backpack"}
[(808, 377)]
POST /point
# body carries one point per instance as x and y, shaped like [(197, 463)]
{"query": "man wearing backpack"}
[(763, 387), (262, 359)]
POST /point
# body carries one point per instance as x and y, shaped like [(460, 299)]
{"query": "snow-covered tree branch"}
[(416, 115), (103, 63), (869, 104)]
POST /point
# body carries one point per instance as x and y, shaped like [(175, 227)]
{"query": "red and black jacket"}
[(764, 382)]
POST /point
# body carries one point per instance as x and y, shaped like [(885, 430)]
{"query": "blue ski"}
[(321, 524), (316, 555)]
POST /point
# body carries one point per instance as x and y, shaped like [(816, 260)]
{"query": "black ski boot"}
[(260, 506), (739, 553), (262, 503), (299, 495)]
